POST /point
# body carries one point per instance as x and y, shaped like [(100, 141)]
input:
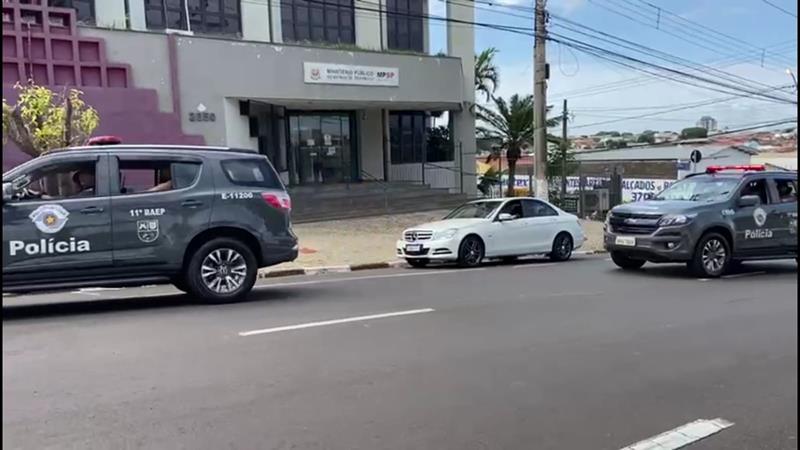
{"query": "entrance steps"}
[(364, 199)]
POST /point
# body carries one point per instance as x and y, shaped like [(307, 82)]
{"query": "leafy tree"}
[(43, 120), (614, 144), (440, 146), (694, 133), (512, 123), (487, 77), (649, 138)]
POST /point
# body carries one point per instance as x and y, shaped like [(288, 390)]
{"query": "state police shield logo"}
[(49, 218), (760, 216), (147, 230)]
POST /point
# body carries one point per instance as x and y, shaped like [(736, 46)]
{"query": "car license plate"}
[(413, 247), (626, 241)]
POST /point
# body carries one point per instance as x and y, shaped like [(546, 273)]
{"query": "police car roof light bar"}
[(104, 140), (749, 167)]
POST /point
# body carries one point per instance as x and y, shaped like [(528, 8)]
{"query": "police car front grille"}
[(634, 223)]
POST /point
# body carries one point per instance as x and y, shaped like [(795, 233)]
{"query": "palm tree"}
[(487, 77), (512, 123)]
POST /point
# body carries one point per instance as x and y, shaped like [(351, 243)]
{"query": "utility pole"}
[(540, 100), (564, 116)]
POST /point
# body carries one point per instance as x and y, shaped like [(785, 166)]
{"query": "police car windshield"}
[(699, 188), (477, 210)]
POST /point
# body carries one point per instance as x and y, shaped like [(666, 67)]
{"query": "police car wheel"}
[(222, 270), (712, 256), (180, 284), (624, 262)]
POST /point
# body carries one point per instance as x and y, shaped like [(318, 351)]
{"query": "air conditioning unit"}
[(595, 200)]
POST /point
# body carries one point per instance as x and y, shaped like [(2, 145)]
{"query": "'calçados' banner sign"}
[(633, 189)]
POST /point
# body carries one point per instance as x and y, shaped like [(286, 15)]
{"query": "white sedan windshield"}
[(478, 210)]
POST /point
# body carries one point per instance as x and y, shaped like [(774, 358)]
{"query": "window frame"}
[(400, 16), (776, 193), (767, 189), (114, 172), (338, 8), (274, 173), (71, 5), (100, 184), (186, 11), (503, 209), (537, 204)]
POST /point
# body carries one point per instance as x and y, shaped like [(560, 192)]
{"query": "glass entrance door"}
[(322, 148)]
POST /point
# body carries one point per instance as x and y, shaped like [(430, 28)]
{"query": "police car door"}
[(61, 230), (785, 192), (158, 206), (756, 225)]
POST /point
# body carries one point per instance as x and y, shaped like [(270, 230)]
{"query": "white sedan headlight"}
[(445, 234)]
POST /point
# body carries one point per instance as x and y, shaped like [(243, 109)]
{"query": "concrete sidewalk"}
[(372, 240)]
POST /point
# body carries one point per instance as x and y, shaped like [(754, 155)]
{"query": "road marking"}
[(368, 277), (335, 322), (525, 266), (746, 274), (682, 436)]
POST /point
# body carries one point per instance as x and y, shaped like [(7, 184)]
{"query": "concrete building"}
[(332, 91), (669, 162), (707, 122)]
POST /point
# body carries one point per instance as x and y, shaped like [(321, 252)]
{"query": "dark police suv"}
[(710, 221), (202, 218)]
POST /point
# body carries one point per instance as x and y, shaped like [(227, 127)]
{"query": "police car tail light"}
[(746, 167), (277, 201)]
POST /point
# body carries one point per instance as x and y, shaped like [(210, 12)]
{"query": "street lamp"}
[(791, 74)]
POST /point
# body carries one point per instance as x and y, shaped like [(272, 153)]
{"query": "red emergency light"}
[(104, 140), (749, 167)]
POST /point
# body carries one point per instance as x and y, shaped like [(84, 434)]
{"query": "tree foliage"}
[(649, 138), (43, 120), (511, 122), (694, 133), (487, 77)]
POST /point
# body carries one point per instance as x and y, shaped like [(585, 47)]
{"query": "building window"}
[(205, 16), (405, 31), (407, 137), (330, 21), (84, 9), (410, 137)]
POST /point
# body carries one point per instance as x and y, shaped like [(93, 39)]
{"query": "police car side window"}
[(787, 190), (64, 180), (137, 176), (757, 187)]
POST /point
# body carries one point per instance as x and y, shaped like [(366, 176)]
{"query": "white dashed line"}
[(746, 274), (682, 436), (335, 322), (534, 265)]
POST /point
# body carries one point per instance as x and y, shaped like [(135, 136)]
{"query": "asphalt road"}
[(576, 355)]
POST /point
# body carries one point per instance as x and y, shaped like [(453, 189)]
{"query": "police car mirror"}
[(8, 192), (748, 200), (20, 183)]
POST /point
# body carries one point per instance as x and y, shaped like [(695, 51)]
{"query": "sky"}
[(750, 26)]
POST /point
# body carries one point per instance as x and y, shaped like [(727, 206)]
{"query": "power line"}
[(780, 8), (617, 57), (699, 36), (666, 111), (649, 51), (646, 79)]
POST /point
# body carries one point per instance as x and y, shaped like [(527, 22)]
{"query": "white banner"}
[(323, 73), (633, 189)]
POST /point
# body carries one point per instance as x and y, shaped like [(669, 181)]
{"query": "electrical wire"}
[(780, 8)]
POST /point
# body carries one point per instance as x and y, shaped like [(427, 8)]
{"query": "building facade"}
[(332, 91)]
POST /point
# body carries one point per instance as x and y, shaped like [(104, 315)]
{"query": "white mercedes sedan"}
[(503, 228)]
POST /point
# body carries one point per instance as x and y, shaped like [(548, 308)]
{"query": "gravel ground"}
[(372, 239)]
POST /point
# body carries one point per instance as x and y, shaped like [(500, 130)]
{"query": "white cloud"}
[(518, 79), (566, 6)]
